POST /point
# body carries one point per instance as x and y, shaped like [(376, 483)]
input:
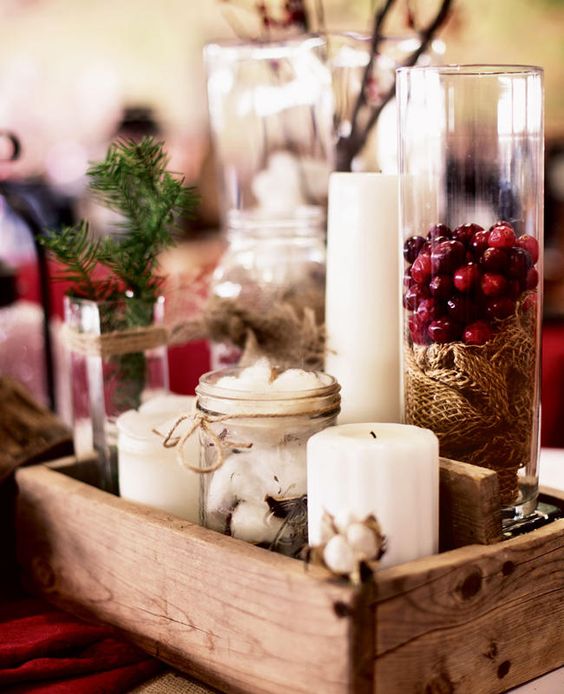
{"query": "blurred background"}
[(74, 75)]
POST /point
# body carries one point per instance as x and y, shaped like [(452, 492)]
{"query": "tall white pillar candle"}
[(362, 304), (148, 472), (389, 470)]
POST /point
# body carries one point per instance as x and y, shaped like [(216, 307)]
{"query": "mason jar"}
[(471, 218), (255, 444), (271, 278)]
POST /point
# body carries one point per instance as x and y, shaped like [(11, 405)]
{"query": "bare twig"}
[(348, 147)]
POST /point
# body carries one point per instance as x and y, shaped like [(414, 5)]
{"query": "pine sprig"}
[(134, 182), (74, 247)]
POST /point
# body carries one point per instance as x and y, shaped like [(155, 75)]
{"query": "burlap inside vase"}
[(479, 400)]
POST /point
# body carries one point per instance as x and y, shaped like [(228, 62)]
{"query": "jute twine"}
[(203, 421), (478, 400), (285, 333)]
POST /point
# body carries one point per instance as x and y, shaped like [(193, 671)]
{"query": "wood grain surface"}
[(236, 616), (477, 620), (470, 508)]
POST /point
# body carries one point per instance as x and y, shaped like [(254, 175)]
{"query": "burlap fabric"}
[(479, 400)]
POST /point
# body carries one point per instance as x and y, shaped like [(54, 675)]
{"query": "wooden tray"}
[(478, 619)]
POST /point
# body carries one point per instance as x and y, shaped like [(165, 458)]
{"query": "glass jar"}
[(258, 490), (270, 280), (471, 165), (271, 115), (118, 359), (349, 53)]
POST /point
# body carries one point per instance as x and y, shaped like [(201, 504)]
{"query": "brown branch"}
[(349, 147)]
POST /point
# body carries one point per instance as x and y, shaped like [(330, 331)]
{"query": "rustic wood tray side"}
[(475, 620), (238, 617)]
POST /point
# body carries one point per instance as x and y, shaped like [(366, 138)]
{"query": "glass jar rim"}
[(474, 70), (80, 301), (323, 400), (303, 217)]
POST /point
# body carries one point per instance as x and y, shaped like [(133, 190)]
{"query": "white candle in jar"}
[(148, 472), (388, 470), (363, 295)]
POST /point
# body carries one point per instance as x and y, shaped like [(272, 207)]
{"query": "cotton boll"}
[(339, 556), (252, 522), (343, 519), (221, 495), (229, 382), (362, 541), (256, 377), (295, 379)]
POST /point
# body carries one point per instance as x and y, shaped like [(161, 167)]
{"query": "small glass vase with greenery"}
[(114, 310)]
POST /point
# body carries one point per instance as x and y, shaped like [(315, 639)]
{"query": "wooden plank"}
[(236, 616), (476, 620), (470, 510)]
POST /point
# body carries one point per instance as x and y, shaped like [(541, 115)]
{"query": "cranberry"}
[(443, 330), (465, 232), (502, 236), (532, 278), (418, 330), (479, 242), (414, 295), (421, 268), (477, 333), (447, 255), (411, 247), (493, 285), (466, 277), (515, 288), (529, 244), (461, 309), (494, 260), (407, 281), (428, 310), (519, 263), (441, 287), (500, 308), (439, 230)]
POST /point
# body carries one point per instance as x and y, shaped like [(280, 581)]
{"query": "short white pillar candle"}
[(148, 472), (388, 470), (362, 307)]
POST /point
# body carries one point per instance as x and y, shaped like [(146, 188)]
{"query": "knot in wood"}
[(470, 586)]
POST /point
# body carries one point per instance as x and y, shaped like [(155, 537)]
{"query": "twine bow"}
[(203, 422)]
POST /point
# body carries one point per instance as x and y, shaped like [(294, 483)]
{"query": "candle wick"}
[(373, 435)]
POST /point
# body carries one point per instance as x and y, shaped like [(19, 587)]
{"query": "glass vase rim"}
[(475, 69), (81, 301), (243, 48)]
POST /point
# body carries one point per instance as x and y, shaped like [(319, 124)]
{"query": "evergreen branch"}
[(73, 247)]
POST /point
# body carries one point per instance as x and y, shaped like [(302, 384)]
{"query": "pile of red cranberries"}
[(459, 283)]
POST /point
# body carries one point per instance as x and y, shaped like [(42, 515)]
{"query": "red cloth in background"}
[(44, 650)]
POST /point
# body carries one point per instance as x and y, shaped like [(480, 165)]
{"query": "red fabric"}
[(552, 386), (45, 650)]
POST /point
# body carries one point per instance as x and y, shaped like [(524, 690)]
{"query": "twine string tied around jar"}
[(204, 421)]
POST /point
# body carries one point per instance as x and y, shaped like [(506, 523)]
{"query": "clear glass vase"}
[(270, 289), (471, 165), (271, 115), (118, 360)]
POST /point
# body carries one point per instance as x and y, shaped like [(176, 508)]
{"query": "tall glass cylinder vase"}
[(471, 176), (118, 360), (271, 115)]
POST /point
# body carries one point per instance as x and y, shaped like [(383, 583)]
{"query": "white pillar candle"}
[(148, 472), (388, 470), (363, 295)]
